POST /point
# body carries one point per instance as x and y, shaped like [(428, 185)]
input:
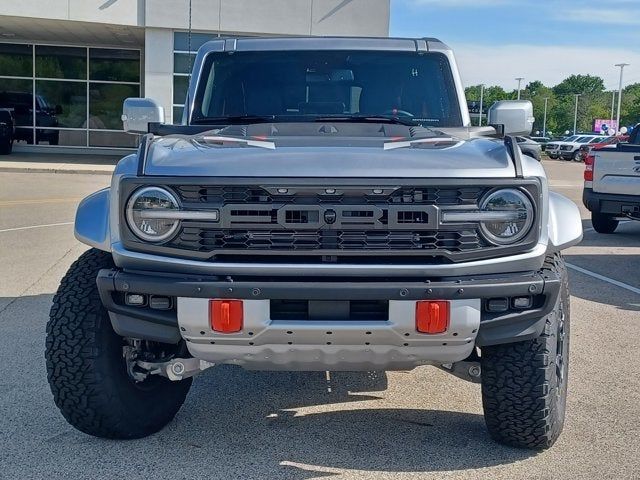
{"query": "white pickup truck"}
[(612, 184)]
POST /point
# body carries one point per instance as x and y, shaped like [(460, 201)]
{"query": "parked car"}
[(22, 104), (7, 131), (291, 224), (571, 150), (609, 142), (612, 184), (543, 141), (530, 147), (553, 148)]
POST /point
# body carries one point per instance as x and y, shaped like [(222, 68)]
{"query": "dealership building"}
[(67, 65)]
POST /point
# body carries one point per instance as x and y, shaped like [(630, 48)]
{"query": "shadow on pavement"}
[(595, 290), (276, 414), (241, 424), (626, 235)]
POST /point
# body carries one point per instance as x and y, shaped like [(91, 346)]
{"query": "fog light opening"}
[(135, 299), (522, 302)]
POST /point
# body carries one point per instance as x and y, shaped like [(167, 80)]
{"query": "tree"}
[(579, 84), (536, 91), (594, 102), (491, 95), (630, 112)]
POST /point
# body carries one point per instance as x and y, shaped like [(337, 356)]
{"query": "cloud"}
[(460, 3), (609, 16), (500, 65)]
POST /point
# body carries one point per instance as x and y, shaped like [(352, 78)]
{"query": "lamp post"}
[(481, 101), (621, 65), (544, 122), (575, 116), (613, 107), (519, 79)]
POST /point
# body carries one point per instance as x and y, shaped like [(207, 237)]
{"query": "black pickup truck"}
[(7, 131)]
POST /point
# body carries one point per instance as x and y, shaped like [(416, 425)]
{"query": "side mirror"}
[(58, 110), (138, 113), (515, 116)]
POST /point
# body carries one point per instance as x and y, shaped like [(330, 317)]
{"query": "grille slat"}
[(220, 195), (204, 240)]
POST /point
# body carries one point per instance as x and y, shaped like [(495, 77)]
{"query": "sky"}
[(496, 41)]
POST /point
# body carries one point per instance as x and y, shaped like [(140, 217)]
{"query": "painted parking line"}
[(604, 279), (35, 226)]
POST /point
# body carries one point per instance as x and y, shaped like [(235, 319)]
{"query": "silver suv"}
[(325, 205)]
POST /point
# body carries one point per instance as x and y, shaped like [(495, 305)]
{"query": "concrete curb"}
[(80, 170)]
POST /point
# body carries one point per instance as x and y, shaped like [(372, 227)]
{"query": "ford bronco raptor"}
[(324, 205)]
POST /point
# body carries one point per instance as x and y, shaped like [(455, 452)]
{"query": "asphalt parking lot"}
[(260, 425)]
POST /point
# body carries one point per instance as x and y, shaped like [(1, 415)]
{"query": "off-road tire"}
[(603, 223), (86, 369), (524, 384)]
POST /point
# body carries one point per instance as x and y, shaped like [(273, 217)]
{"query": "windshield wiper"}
[(234, 120), (368, 119), (247, 119)]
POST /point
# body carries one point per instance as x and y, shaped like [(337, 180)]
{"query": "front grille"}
[(328, 221), (209, 240), (341, 219)]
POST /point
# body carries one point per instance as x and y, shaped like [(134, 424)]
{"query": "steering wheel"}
[(398, 113)]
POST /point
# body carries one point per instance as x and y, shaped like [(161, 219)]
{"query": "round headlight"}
[(145, 211), (512, 219)]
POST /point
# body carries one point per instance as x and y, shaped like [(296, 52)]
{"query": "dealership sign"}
[(607, 126)]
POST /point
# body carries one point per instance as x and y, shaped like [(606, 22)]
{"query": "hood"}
[(355, 155)]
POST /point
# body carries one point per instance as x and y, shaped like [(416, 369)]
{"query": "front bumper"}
[(612, 204), (393, 343)]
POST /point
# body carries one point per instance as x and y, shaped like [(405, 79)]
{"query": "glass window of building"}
[(114, 65), (105, 104), (16, 60), (183, 58), (61, 62), (69, 95)]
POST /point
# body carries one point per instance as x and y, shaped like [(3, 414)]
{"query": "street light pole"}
[(575, 117), (621, 65), (544, 122), (613, 106), (519, 79), (481, 101)]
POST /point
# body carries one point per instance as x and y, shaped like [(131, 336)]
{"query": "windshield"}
[(308, 85), (571, 139)]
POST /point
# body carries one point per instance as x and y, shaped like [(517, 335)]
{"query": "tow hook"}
[(469, 371), (175, 369)]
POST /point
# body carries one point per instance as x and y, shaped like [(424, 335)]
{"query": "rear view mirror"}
[(515, 116), (138, 113)]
